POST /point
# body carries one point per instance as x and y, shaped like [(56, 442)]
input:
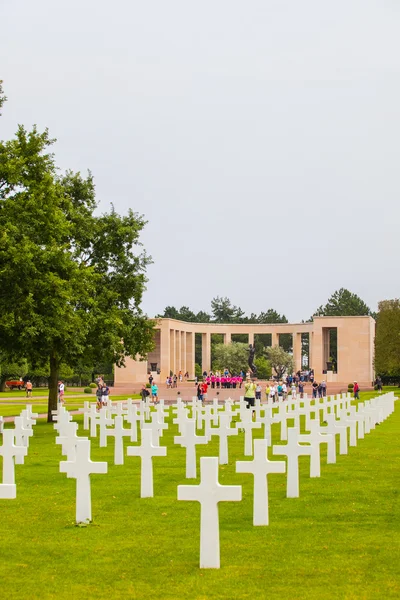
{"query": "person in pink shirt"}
[(218, 381), (213, 378), (228, 381), (223, 381)]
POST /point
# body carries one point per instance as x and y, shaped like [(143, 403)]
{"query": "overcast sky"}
[(260, 138)]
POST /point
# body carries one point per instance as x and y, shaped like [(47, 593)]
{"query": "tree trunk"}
[(53, 386), (3, 384)]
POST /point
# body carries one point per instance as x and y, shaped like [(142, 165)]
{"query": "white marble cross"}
[(1, 424), (215, 409), (292, 450), (223, 431), (118, 433), (260, 467), (351, 421), (156, 428), (267, 421), (86, 414), (27, 419), (60, 416), (315, 439), (31, 414), (133, 417), (94, 420), (22, 435), (188, 439), (281, 418), (104, 420), (207, 418), (146, 451), (209, 493), (337, 427), (9, 451), (248, 425), (81, 469), (69, 440), (181, 418)]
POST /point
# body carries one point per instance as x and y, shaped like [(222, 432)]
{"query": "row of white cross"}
[(13, 450), (210, 492), (338, 413)]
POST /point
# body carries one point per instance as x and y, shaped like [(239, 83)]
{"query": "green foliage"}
[(197, 371), (80, 275), (387, 339), (11, 369), (264, 369), (224, 312), (350, 387), (93, 385), (343, 303), (185, 314), (233, 356), (281, 361), (88, 390)]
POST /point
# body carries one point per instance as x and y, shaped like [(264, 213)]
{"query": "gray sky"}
[(260, 138)]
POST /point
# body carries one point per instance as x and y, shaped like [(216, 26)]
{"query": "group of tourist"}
[(102, 392), (224, 380)]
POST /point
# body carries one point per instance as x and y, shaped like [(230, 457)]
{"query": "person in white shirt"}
[(294, 391), (284, 391), (272, 393), (61, 389)]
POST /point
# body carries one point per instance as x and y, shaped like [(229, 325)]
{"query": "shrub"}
[(350, 387), (88, 390), (93, 385), (148, 385)]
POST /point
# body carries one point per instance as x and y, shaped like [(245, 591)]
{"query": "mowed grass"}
[(340, 539), (11, 409)]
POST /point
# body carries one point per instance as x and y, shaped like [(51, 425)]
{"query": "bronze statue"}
[(252, 352)]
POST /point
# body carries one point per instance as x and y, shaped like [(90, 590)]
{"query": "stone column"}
[(178, 352), (297, 351), (251, 339), (190, 353), (165, 349), (317, 351), (275, 339), (205, 352), (227, 338), (172, 351), (310, 349), (183, 352)]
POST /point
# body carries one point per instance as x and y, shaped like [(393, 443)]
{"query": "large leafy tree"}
[(387, 340), (343, 303), (232, 356), (71, 281), (281, 361)]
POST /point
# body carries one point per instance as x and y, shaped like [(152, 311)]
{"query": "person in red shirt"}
[(204, 388), (356, 391)]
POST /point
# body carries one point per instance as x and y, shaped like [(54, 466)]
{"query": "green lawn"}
[(340, 539)]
